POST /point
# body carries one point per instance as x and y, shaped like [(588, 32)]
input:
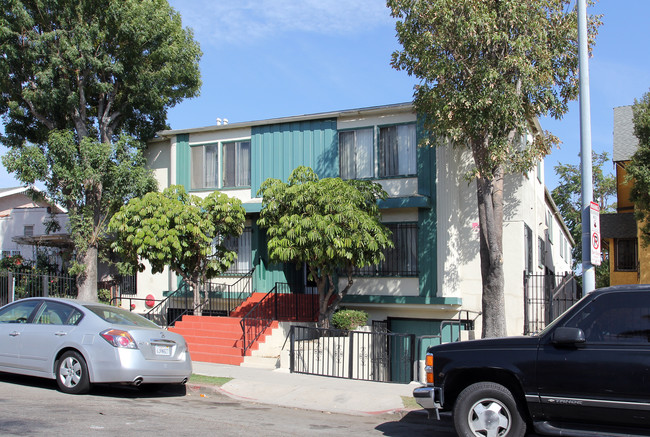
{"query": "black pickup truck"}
[(586, 374)]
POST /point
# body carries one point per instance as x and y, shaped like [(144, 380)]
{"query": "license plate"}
[(163, 350)]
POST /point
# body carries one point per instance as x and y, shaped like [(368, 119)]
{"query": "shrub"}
[(349, 319)]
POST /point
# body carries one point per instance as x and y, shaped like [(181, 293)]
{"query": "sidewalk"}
[(335, 395)]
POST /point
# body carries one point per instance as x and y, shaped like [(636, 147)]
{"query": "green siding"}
[(427, 233), (183, 163), (449, 332), (276, 150)]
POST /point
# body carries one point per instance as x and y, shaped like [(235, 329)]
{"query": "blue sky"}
[(274, 58)]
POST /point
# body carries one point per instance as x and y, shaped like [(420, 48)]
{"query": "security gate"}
[(369, 356), (546, 297)]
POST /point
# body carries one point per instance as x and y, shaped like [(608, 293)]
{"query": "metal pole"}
[(588, 271)]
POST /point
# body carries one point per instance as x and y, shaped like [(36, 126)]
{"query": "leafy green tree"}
[(638, 170), (488, 68), (330, 225), (79, 79), (568, 198), (178, 230)]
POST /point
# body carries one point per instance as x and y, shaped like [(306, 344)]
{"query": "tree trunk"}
[(198, 307), (87, 280), (490, 208), (323, 298), (327, 305)]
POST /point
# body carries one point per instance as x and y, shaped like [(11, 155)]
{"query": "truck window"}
[(615, 318)]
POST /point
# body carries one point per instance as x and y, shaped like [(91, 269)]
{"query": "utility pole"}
[(588, 270)]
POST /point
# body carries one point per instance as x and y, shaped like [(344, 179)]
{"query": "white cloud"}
[(242, 21)]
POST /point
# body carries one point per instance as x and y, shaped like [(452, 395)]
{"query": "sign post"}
[(594, 226)]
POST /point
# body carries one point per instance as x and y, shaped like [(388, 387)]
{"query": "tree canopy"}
[(488, 69), (638, 170), (80, 82), (180, 231), (568, 198), (331, 225)]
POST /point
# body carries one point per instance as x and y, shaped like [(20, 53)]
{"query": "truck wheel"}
[(487, 409)]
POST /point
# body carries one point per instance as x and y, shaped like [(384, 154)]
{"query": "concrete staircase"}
[(216, 339), (220, 339)]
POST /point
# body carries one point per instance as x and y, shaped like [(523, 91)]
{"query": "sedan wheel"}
[(487, 410), (72, 373)]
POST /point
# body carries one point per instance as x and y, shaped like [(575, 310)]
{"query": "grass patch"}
[(208, 380), (410, 403)]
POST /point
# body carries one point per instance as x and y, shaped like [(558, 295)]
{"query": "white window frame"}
[(208, 161), (368, 161)]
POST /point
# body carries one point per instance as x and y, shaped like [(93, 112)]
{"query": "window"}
[(55, 313), (356, 154), (528, 249), (18, 312), (235, 168), (242, 246), (401, 260), (28, 231), (626, 259), (8, 253), (549, 226), (394, 156), (397, 150), (541, 255), (615, 318)]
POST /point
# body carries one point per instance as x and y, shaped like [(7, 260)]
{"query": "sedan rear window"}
[(120, 316)]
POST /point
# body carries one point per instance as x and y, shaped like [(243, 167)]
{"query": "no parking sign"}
[(594, 225)]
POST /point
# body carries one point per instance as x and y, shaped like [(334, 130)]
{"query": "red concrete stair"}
[(215, 339)]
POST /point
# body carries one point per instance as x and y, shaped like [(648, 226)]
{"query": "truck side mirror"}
[(568, 336)]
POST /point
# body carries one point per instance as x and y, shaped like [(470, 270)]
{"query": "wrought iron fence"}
[(17, 284), (546, 297), (369, 356)]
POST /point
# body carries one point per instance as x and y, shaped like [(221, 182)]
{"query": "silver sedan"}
[(79, 344)]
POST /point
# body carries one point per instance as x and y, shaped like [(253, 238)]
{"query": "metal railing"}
[(217, 299), (546, 297), (277, 304), (368, 356), (16, 284)]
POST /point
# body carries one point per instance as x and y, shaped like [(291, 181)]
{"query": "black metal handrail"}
[(274, 306), (216, 299), (222, 299), (257, 319)]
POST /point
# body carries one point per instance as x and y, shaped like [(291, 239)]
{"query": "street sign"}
[(594, 226)]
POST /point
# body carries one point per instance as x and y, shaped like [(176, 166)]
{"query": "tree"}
[(181, 231), (568, 198), (330, 225), (638, 170), (488, 68), (77, 79)]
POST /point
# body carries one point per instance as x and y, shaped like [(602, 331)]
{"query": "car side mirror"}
[(568, 336)]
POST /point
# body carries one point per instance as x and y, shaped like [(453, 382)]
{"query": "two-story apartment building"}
[(433, 273)]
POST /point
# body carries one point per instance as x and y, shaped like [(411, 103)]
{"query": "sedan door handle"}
[(14, 333), (60, 333)]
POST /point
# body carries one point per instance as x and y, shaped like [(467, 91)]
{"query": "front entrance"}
[(546, 297)]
